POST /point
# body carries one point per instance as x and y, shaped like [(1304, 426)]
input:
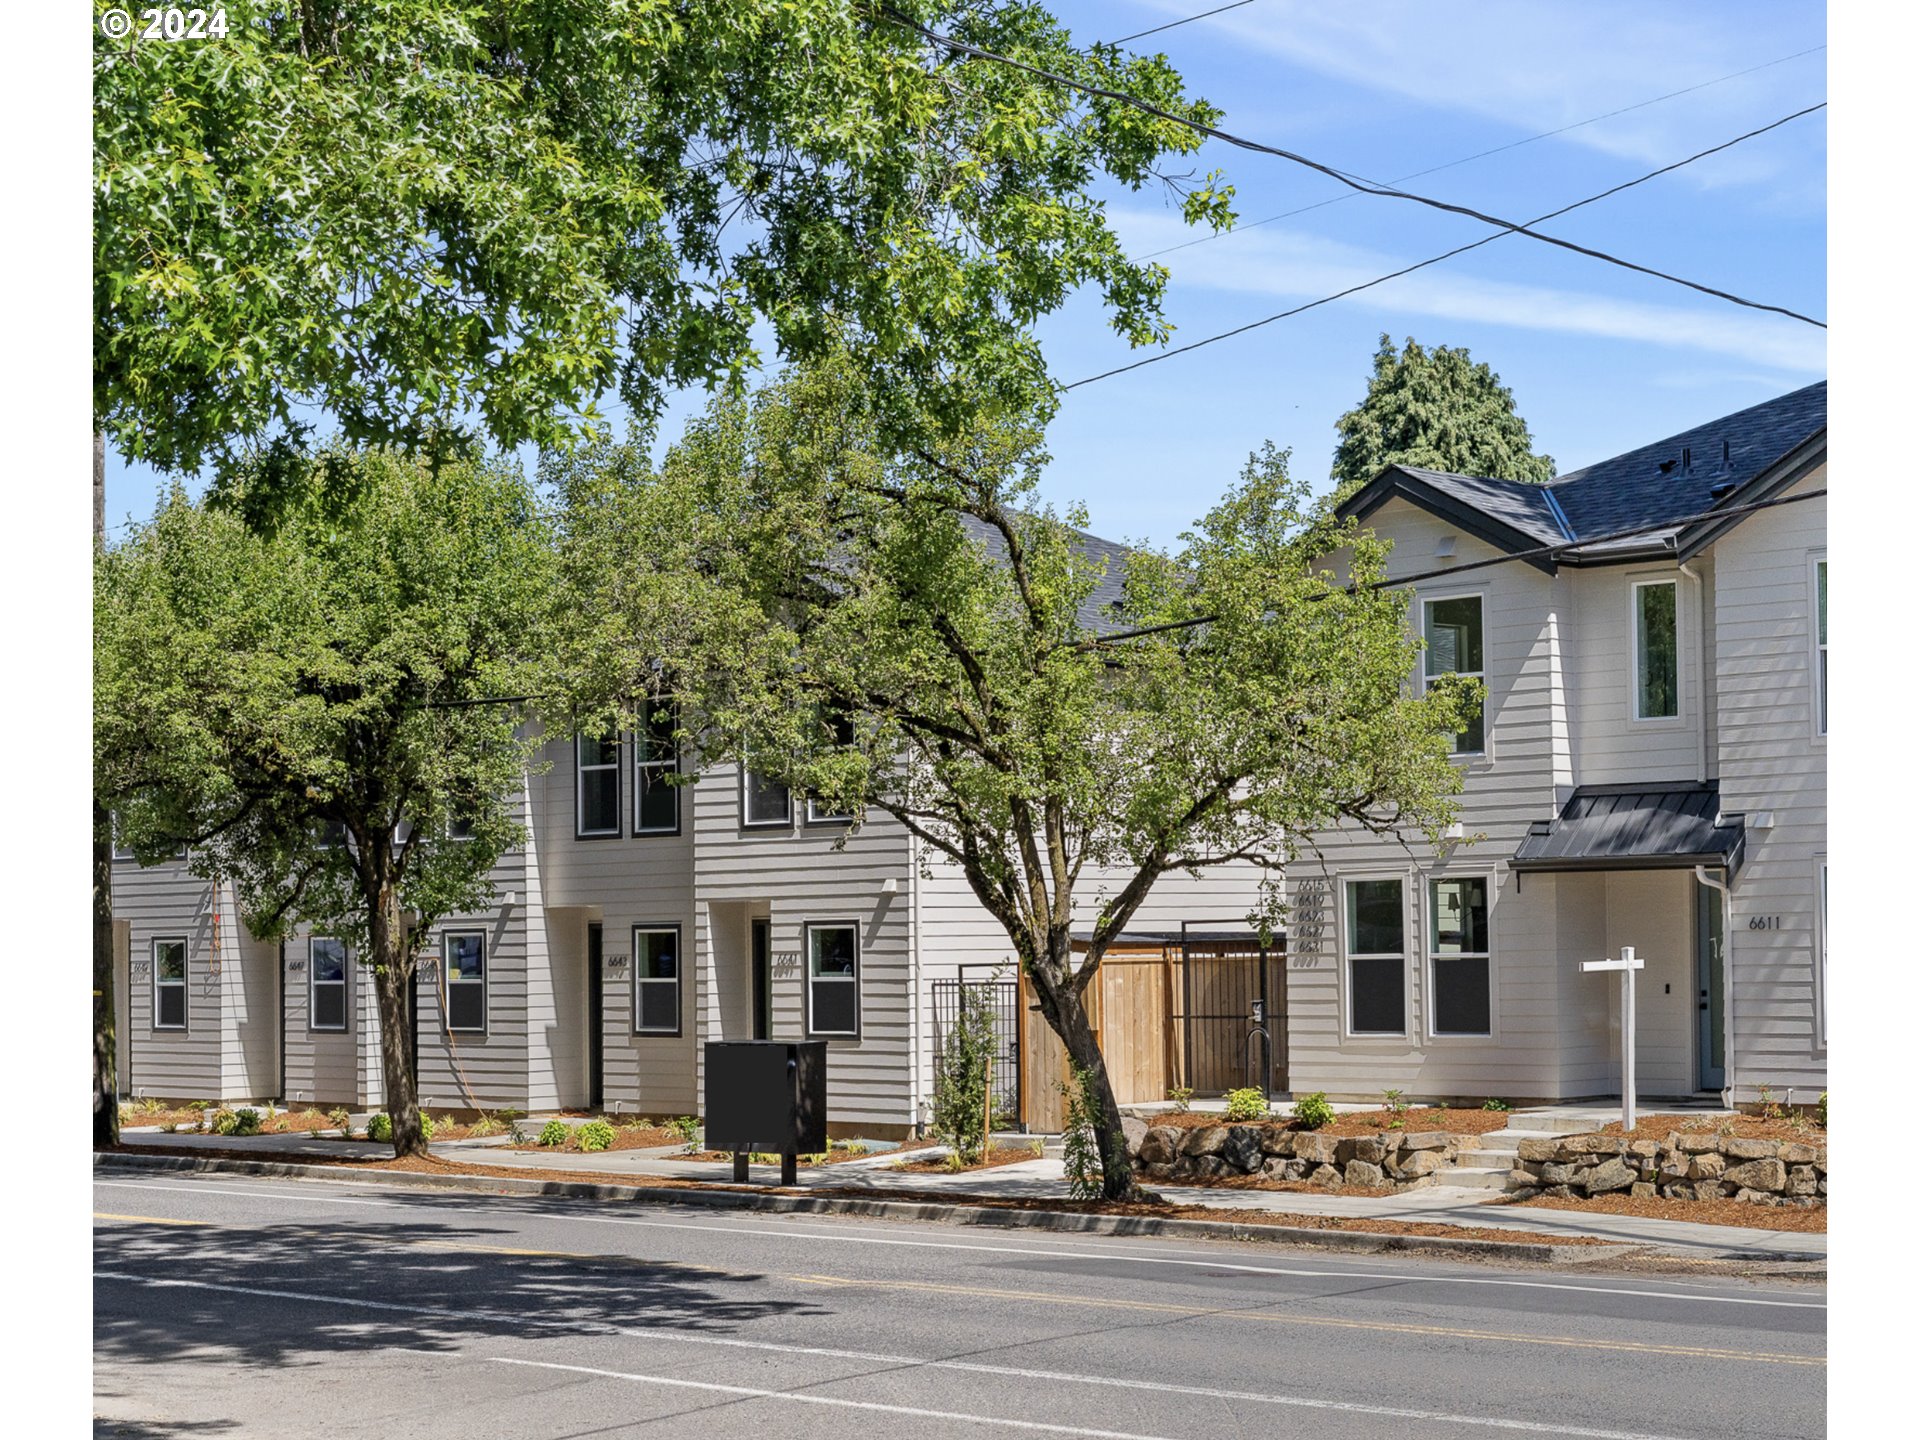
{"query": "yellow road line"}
[(1693, 1352), (149, 1219)]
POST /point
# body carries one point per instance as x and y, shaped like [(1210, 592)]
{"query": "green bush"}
[(554, 1132), (1821, 1109), (224, 1121), (1085, 1173), (1181, 1096), (596, 1135), (426, 1126), (340, 1120), (380, 1127), (960, 1077), (688, 1129), (246, 1122), (1313, 1111), (1248, 1104), (1496, 1105)]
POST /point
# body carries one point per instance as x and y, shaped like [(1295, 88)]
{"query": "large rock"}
[(1767, 1174), (1612, 1174), (1642, 1190), (1697, 1144), (1802, 1180), (1427, 1140), (1160, 1145), (1365, 1172), (1410, 1165), (1204, 1140), (1709, 1165), (1596, 1145), (1645, 1149), (1276, 1140), (1554, 1173), (1135, 1129), (1792, 1154), (1241, 1149), (1207, 1167), (1750, 1149), (1316, 1149), (1325, 1175), (1539, 1150), (1676, 1167), (1368, 1149)]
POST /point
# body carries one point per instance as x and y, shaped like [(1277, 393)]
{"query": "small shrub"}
[(272, 1114), (170, 1128), (1248, 1104), (516, 1135), (960, 1099), (246, 1121), (1182, 1098), (199, 1104), (688, 1129), (1313, 1111), (426, 1126), (761, 1157), (224, 1121), (1084, 1169), (596, 1135), (1821, 1109), (510, 1114), (147, 1107), (1768, 1110), (341, 1121), (484, 1126), (380, 1127), (552, 1133), (1496, 1105)]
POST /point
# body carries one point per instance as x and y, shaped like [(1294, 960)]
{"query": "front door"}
[(1710, 973), (596, 1081), (762, 979)]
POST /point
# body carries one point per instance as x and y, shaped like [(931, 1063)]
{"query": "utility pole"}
[(1627, 964), (106, 1079)]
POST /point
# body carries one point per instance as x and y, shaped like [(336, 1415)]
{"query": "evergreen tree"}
[(1438, 410)]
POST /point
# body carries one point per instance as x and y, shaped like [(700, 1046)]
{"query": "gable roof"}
[(1669, 488), (1100, 611)]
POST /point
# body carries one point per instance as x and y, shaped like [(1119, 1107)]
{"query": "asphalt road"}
[(242, 1307)]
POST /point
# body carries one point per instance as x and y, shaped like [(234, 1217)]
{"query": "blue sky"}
[(1599, 359)]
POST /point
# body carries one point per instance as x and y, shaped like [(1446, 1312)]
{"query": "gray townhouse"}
[(1648, 770)]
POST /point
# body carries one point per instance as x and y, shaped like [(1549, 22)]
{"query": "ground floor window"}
[(466, 971), (326, 984), (656, 980), (1460, 956), (1376, 940), (833, 979), (169, 984)]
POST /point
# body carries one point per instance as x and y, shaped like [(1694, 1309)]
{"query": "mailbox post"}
[(767, 1095), (1626, 965)]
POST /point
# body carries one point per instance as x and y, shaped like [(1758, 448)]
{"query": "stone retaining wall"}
[(1683, 1167), (1400, 1161)]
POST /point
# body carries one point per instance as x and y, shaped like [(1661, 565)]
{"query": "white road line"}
[(1202, 1263)]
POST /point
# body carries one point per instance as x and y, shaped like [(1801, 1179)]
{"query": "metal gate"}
[(1002, 999), (1222, 977)]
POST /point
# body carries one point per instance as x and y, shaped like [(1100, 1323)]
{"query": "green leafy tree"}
[(915, 635), (1438, 410), (298, 707), (962, 1076)]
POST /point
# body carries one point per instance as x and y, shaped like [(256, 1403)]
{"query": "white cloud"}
[(1290, 265)]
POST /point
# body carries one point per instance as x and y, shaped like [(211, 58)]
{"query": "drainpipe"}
[(1700, 728), (1726, 971)]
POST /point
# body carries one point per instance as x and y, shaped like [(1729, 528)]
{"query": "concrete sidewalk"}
[(1044, 1178)]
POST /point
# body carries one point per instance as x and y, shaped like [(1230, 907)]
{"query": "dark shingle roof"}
[(1670, 483), (1101, 610), (1637, 827)]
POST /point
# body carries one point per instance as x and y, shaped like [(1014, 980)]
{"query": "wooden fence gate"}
[(1174, 1011)]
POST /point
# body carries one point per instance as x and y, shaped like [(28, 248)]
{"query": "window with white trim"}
[(169, 984), (656, 979), (1820, 646), (839, 728), (1376, 945), (1454, 633), (1459, 956), (326, 983), (596, 785), (833, 979), (1656, 649), (465, 957), (764, 802), (656, 759)]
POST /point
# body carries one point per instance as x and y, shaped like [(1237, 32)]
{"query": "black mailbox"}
[(767, 1095)]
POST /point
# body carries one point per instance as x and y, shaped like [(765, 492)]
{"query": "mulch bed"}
[(1740, 1127), (1360, 1122), (437, 1166), (625, 1137), (831, 1157), (998, 1156), (1812, 1221)]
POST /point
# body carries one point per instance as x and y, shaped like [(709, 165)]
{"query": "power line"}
[(1436, 259), (1176, 24), (1540, 552), (1387, 191), (1482, 154)]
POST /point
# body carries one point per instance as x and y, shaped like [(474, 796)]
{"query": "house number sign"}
[(1308, 916), (616, 965), (1763, 922)]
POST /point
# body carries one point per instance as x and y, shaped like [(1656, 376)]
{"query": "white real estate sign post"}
[(1626, 965)]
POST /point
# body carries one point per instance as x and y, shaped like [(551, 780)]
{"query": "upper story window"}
[(656, 800), (326, 984), (765, 802), (596, 772), (1656, 649), (839, 728), (1455, 646), (1820, 641)]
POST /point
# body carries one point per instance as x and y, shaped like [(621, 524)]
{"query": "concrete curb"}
[(1071, 1222)]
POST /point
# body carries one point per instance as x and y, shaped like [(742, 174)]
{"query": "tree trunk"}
[(1064, 1009), (106, 1077), (393, 962)]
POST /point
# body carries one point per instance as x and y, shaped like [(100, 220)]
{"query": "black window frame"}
[(677, 982), (1456, 747), (647, 735), (1642, 653), (1350, 956), (448, 981), (156, 983), (747, 822), (313, 983), (580, 771), (809, 930), (1458, 958)]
